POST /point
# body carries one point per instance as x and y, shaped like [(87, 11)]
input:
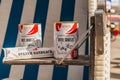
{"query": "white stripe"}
[(80, 15), (17, 71), (54, 9), (5, 7)]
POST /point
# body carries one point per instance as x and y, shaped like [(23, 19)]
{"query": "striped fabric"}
[(14, 12)]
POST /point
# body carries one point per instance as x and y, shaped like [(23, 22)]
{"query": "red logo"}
[(35, 49), (73, 29), (34, 30), (20, 28), (58, 26)]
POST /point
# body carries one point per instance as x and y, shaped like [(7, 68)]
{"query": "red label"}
[(74, 54)]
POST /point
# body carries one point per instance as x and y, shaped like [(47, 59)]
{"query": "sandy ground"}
[(115, 59)]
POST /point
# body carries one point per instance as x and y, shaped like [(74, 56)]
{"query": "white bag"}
[(27, 53)]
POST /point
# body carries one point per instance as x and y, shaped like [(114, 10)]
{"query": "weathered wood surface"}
[(102, 47), (81, 60), (92, 50)]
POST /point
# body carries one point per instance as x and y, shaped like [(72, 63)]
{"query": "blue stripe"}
[(67, 14), (31, 71), (41, 14), (86, 68), (109, 0), (67, 11), (11, 34)]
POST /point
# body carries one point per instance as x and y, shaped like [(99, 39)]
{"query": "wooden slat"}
[(99, 31), (82, 60), (92, 50)]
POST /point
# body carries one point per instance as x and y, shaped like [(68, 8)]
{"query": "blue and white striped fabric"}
[(14, 12)]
